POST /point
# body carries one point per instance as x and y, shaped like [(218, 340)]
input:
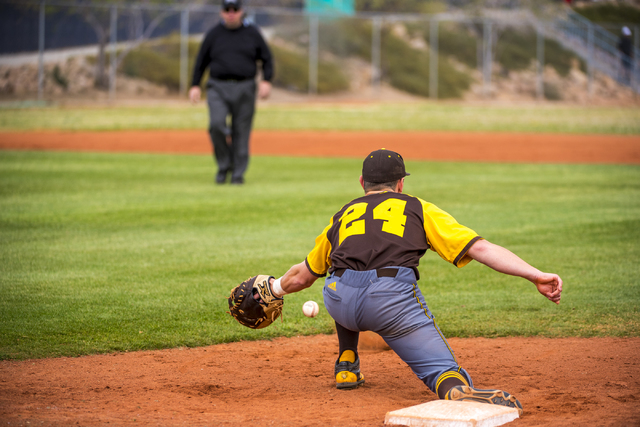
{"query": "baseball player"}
[(371, 250)]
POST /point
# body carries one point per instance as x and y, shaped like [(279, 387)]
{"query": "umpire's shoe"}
[(492, 397), (347, 371)]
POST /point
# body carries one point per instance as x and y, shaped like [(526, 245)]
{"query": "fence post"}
[(635, 60), (313, 54), (376, 26), (590, 49), (184, 50), (488, 57), (41, 52), (433, 59), (540, 54), (480, 54), (114, 56)]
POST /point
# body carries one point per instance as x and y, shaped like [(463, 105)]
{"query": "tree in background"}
[(97, 13), (610, 12), (401, 6), (472, 7)]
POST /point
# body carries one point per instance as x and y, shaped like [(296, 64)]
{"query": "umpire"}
[(231, 50)]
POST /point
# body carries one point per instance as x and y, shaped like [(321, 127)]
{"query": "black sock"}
[(447, 385), (347, 339)]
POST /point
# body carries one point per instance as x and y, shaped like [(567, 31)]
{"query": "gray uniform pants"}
[(395, 309), (236, 99)]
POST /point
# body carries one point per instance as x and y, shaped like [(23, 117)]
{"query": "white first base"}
[(446, 413)]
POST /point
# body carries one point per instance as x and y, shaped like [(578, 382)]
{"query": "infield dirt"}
[(289, 381)]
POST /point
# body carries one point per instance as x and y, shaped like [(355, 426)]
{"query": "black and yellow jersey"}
[(388, 229)]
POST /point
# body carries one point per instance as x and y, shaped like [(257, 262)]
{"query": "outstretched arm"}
[(296, 279), (505, 261)]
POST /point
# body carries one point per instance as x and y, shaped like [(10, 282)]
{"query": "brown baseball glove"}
[(253, 304)]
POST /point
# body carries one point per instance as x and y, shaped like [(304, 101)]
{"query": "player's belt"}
[(381, 272)]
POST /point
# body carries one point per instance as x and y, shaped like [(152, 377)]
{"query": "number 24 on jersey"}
[(390, 211)]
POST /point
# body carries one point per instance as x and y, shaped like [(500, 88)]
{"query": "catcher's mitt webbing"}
[(251, 312)]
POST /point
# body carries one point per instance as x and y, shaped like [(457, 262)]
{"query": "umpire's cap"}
[(383, 166), (236, 4)]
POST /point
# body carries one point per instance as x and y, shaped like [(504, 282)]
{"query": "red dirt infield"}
[(289, 381)]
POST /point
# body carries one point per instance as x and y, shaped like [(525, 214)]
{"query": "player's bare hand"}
[(194, 94), (264, 89), (549, 285)]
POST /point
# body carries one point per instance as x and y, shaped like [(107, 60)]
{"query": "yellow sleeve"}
[(446, 237), (319, 259)]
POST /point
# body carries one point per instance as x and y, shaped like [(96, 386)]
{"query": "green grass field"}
[(121, 252), (376, 116)]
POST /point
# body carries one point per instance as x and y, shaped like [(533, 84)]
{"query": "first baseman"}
[(371, 250)]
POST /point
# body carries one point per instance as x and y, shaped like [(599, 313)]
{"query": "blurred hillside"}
[(346, 53), (151, 72)]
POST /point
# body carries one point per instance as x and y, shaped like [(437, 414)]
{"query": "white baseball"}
[(310, 309)]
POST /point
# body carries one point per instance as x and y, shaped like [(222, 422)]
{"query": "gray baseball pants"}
[(234, 100), (394, 308)]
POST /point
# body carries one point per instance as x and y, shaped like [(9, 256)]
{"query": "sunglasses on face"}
[(231, 9)]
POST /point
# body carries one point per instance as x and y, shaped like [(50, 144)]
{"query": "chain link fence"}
[(50, 49)]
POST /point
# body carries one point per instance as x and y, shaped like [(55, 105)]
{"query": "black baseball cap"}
[(383, 166), (228, 4)]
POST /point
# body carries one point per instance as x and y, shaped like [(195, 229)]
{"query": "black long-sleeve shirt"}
[(232, 54)]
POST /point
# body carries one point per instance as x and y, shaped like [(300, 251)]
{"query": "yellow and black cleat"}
[(347, 371), (492, 397)]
